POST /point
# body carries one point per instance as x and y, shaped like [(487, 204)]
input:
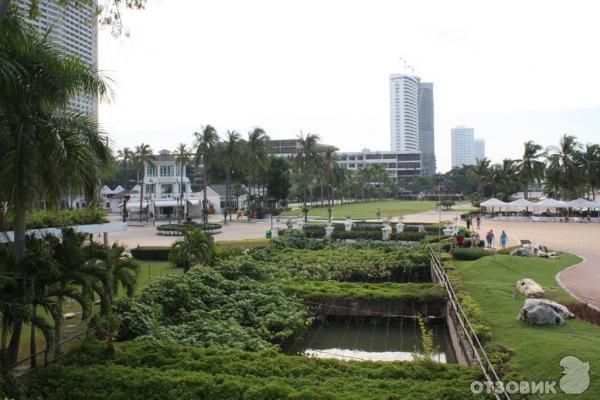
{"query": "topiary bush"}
[(151, 253), (470, 253)]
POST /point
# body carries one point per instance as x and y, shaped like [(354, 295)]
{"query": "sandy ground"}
[(582, 280)]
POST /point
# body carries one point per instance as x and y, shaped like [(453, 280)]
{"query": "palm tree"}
[(231, 148), (507, 176), (304, 161), (125, 159), (567, 155), (553, 176), (482, 172), (530, 168), (205, 144), (182, 158), (256, 151), (143, 157), (329, 162), (589, 163), (46, 151), (195, 248)]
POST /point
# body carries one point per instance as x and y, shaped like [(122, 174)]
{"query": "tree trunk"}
[(205, 199), (15, 340), (32, 344), (4, 339), (141, 183), (58, 325)]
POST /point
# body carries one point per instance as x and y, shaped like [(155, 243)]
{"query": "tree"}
[(45, 150), (588, 161), (530, 168), (278, 178), (108, 11), (328, 162), (143, 157), (194, 248), (182, 158), (205, 143), (482, 172), (567, 154), (125, 161), (231, 151), (304, 162), (255, 152)]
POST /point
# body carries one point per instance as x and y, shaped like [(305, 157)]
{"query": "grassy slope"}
[(538, 349), (393, 208)]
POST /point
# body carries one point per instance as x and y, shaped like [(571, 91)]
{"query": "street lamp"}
[(438, 179)]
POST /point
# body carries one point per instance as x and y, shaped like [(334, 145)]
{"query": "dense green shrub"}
[(408, 236), (230, 306), (423, 292), (346, 263), (469, 253), (151, 253), (357, 234), (151, 370), (62, 218)]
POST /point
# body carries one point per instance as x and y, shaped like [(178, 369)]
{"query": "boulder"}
[(529, 288), (559, 308), (521, 252), (539, 314)]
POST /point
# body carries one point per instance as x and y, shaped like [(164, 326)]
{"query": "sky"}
[(513, 70)]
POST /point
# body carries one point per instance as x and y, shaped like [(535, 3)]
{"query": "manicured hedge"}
[(408, 236), (150, 370), (186, 226), (62, 218), (151, 253), (469, 253), (311, 290)]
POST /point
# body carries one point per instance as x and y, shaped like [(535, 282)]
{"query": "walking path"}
[(582, 239)]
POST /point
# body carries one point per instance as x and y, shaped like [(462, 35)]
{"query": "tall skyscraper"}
[(426, 128), (463, 146), (74, 29), (404, 115), (479, 149)]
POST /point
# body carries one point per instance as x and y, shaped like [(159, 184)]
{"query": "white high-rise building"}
[(74, 29), (404, 112), (463, 146), (479, 149)]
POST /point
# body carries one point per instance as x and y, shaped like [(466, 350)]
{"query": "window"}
[(150, 170), (167, 170)]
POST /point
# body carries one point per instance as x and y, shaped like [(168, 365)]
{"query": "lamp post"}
[(439, 179)]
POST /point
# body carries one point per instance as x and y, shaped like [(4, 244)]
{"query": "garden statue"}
[(348, 224)]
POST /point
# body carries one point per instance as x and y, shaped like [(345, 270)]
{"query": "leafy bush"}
[(151, 253), (346, 263), (357, 234), (152, 370), (62, 218), (205, 307), (469, 253), (408, 236)]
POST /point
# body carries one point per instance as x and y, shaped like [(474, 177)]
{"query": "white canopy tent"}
[(550, 203), (582, 203), (493, 202), (520, 203)]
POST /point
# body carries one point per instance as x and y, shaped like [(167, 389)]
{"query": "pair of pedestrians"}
[(490, 236)]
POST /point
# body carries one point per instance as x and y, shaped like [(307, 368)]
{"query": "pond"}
[(381, 340)]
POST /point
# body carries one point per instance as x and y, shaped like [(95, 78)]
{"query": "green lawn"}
[(538, 349), (389, 208), (152, 270)]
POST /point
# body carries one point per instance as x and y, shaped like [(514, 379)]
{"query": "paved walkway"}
[(582, 239)]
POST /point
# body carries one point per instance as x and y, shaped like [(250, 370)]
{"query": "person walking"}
[(489, 238), (478, 219), (378, 213), (468, 219), (503, 239)]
